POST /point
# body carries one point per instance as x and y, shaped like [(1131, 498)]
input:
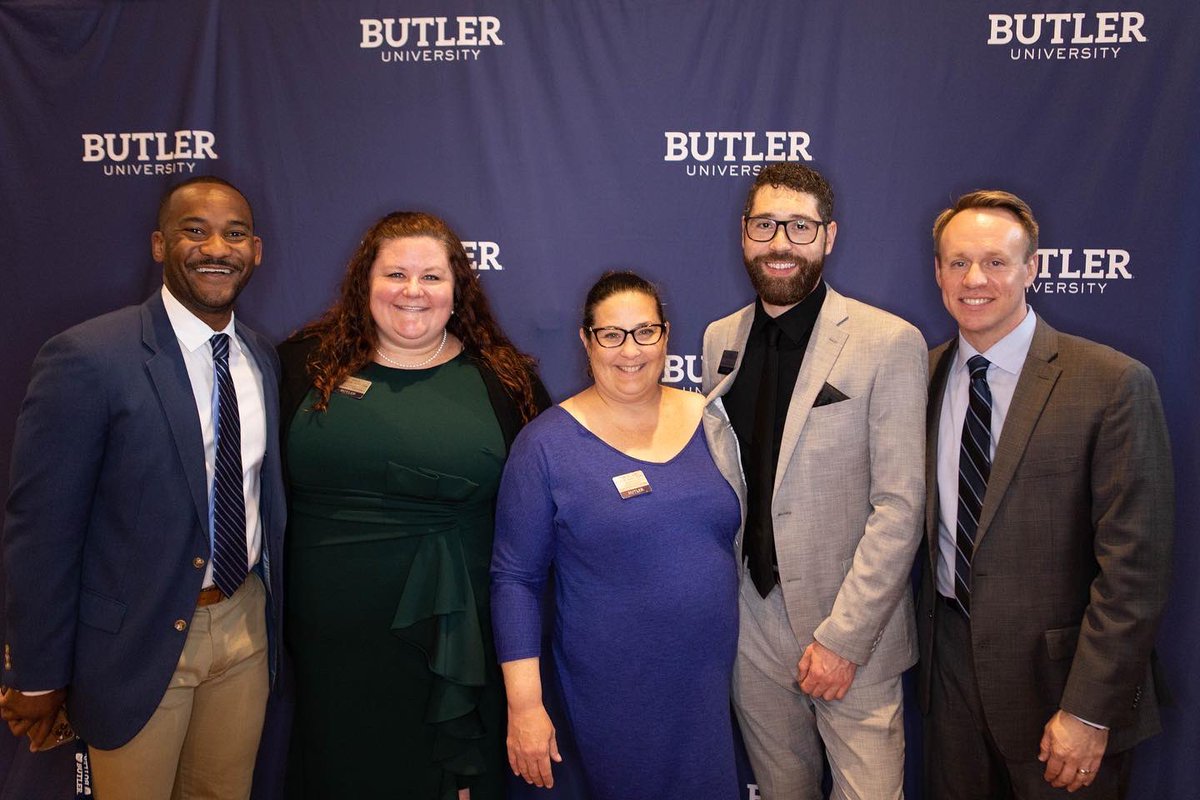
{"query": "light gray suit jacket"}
[(849, 484), (722, 444)]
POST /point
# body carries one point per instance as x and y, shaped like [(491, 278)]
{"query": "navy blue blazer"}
[(107, 518)]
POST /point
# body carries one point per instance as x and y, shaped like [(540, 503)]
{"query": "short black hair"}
[(173, 188)]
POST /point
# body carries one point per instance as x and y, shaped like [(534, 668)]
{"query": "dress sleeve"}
[(523, 547)]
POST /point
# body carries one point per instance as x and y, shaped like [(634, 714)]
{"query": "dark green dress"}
[(390, 538)]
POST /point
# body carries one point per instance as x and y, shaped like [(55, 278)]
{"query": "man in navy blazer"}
[(112, 604)]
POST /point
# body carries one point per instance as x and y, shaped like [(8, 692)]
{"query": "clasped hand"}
[(31, 715), (824, 674)]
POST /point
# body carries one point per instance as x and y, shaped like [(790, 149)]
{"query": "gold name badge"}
[(631, 484), (354, 387)]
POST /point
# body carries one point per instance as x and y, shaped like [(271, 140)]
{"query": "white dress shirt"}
[(193, 335), (1007, 357)]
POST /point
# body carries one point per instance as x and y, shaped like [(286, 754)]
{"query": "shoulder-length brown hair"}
[(346, 333)]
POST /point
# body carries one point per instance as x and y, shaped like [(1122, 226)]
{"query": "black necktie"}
[(974, 467), (760, 533), (229, 505)]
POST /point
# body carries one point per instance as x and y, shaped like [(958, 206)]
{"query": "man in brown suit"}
[(1049, 520)]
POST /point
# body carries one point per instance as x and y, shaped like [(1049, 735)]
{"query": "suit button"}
[(197, 562), (180, 625)]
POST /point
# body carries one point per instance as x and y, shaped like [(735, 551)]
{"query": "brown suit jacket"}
[(1072, 556)]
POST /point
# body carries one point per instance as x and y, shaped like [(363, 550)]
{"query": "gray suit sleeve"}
[(882, 563), (1132, 485)]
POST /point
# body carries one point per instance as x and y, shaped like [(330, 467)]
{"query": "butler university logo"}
[(1091, 270), (149, 152), (1066, 36), (405, 40), (733, 154), (483, 255), (682, 369)]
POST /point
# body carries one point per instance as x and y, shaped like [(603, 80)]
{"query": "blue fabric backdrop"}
[(565, 138)]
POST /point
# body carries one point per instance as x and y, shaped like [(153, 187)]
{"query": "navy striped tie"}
[(974, 467), (229, 505)]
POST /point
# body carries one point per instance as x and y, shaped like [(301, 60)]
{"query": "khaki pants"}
[(202, 740)]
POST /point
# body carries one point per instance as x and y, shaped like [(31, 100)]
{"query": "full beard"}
[(784, 291)]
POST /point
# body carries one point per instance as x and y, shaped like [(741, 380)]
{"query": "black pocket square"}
[(829, 394)]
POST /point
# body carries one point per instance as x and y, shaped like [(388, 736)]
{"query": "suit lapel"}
[(270, 379), (723, 445), (170, 379), (1034, 386), (939, 370), (270, 387), (824, 346), (734, 338)]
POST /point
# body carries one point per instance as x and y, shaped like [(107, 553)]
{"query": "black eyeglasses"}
[(798, 231), (645, 335)]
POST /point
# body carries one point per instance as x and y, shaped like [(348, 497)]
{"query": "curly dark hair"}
[(797, 177), (346, 332)]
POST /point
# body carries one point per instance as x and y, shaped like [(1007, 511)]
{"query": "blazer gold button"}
[(197, 562), (180, 625)]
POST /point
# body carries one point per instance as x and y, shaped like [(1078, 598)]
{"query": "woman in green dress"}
[(400, 405)]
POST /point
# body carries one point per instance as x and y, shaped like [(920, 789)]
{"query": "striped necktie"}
[(974, 467), (229, 505)]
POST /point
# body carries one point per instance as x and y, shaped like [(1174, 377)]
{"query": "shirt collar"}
[(192, 332), (798, 321), (1009, 353)]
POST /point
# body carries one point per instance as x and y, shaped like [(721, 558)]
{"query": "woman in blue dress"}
[(617, 490)]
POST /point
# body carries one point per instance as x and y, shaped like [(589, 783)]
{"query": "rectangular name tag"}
[(631, 484), (354, 387)]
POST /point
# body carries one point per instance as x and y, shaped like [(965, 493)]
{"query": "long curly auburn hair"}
[(346, 332)]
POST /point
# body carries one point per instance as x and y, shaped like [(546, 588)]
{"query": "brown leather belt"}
[(209, 596)]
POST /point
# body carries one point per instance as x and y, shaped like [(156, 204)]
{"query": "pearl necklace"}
[(429, 360)]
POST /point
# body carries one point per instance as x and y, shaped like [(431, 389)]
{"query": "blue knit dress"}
[(644, 629)]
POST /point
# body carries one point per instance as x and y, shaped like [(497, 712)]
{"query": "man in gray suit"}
[(826, 396), (1048, 523)]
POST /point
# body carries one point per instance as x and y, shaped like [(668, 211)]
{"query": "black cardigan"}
[(293, 356)]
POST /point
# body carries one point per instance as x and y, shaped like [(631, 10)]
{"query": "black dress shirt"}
[(796, 327)]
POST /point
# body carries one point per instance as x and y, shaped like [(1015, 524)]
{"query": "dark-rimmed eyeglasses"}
[(798, 231), (612, 336)]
